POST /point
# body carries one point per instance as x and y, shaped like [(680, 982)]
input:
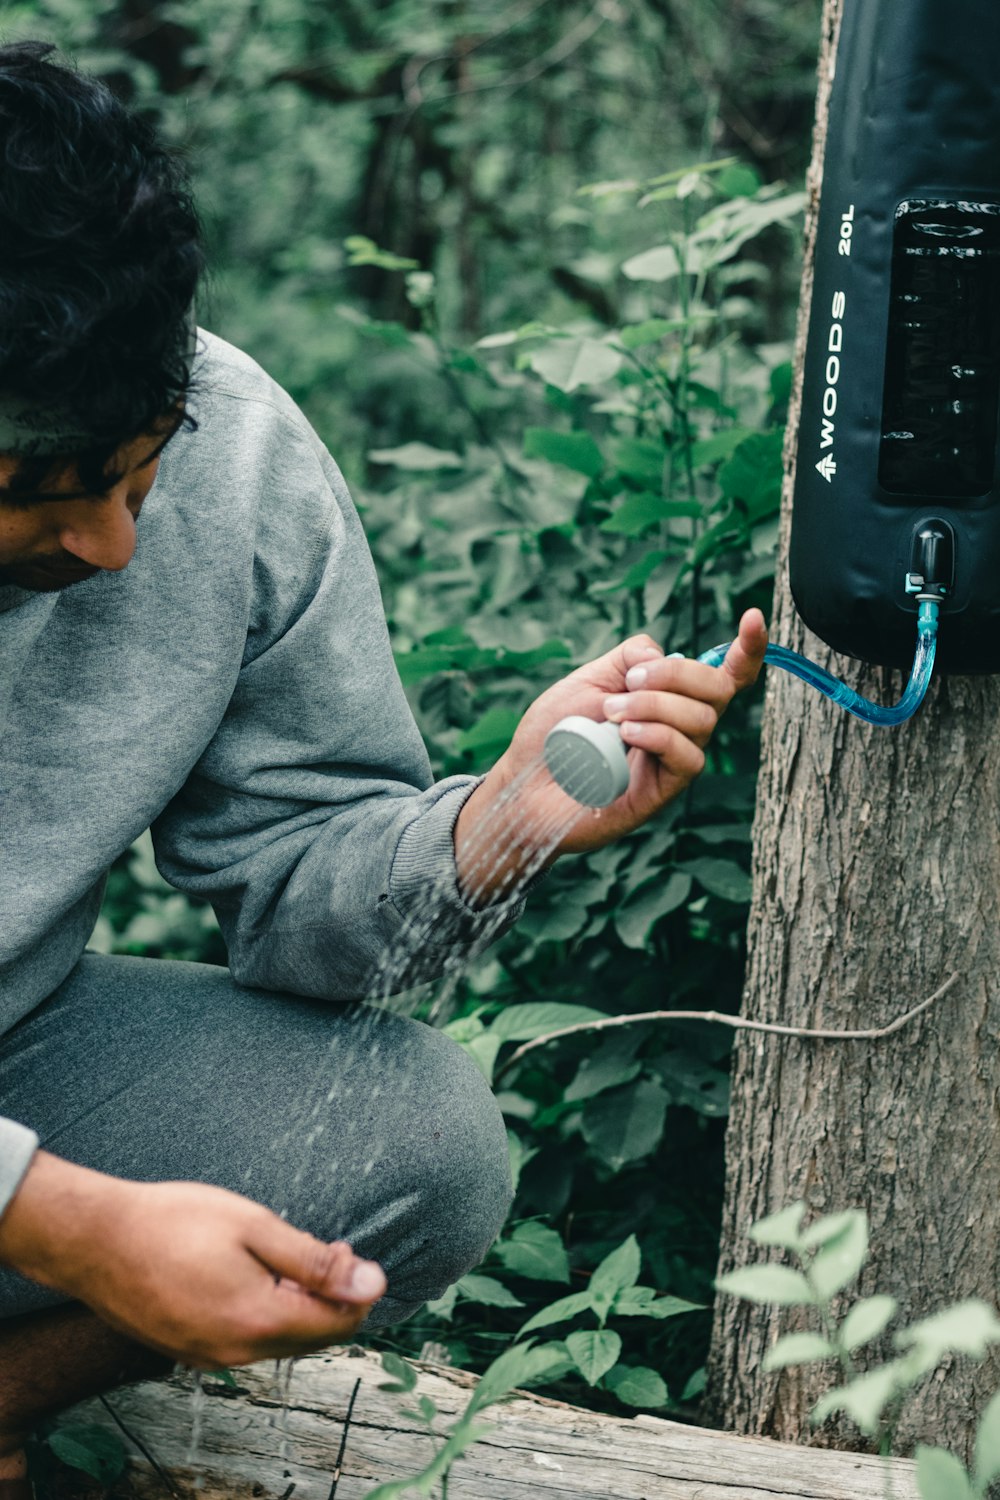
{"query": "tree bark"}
[(876, 875)]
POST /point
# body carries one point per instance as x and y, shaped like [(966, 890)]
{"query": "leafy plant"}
[(829, 1254)]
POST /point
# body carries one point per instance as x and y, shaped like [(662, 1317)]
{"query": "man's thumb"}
[(331, 1271)]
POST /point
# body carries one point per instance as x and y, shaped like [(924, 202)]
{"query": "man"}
[(198, 1164)]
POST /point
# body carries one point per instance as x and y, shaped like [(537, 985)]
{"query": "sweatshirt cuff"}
[(424, 879), (18, 1145)]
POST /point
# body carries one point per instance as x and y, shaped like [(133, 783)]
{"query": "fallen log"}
[(278, 1435)]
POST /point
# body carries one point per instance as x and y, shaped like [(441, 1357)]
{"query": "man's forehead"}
[(59, 478)]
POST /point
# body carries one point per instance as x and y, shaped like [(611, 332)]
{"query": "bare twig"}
[(738, 1023), (338, 1466), (150, 1458)]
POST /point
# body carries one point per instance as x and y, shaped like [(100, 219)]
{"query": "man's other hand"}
[(200, 1274)]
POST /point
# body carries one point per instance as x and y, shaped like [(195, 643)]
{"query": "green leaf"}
[(941, 1476), (830, 1227), (781, 1228), (625, 1124), (752, 477), (425, 1483), (720, 877), (573, 450), (483, 1050), (988, 1445), (569, 363), (594, 1351), (781, 382), (638, 512), (636, 917), (865, 1398), (404, 1376), (558, 1312), (637, 1385), (739, 181), (841, 1257), (866, 1320), (797, 1349), (361, 251), (768, 1283), (519, 1366), (616, 1273), (444, 1307), (608, 1066), (641, 460), (522, 1023), (967, 1328), (719, 445), (535, 1251), (696, 1385), (418, 457), (493, 731), (694, 1082), (636, 335), (658, 264), (636, 576), (515, 335), (487, 1291), (520, 1155), (659, 1307), (93, 1450)]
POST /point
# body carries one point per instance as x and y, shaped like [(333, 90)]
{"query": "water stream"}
[(397, 983)]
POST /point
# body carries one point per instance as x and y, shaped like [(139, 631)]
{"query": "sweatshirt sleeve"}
[(18, 1145), (311, 821)]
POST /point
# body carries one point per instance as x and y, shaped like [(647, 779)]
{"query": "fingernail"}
[(615, 704), (636, 677), (631, 727), (676, 656), (367, 1281)]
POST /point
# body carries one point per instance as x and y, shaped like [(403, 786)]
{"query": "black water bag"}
[(897, 472)]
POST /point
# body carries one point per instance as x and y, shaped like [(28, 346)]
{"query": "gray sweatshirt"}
[(234, 689)]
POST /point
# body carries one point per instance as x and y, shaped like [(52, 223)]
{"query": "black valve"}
[(932, 560)]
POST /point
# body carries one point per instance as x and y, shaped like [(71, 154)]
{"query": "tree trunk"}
[(876, 875)]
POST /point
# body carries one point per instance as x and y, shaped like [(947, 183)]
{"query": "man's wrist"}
[(55, 1221), (495, 853)]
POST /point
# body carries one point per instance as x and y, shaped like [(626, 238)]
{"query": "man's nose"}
[(101, 533)]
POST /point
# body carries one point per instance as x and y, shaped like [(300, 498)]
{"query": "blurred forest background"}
[(531, 270)]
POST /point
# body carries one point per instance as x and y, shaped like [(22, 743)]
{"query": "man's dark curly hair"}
[(100, 255)]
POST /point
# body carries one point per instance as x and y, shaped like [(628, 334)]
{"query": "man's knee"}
[(445, 1176)]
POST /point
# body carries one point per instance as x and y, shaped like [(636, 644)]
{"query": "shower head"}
[(587, 760)]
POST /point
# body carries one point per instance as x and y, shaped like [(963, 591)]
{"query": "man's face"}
[(53, 538)]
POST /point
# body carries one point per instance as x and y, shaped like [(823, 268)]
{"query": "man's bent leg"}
[(52, 1359), (353, 1123)]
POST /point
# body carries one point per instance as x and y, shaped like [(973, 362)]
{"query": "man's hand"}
[(667, 708), (197, 1273)]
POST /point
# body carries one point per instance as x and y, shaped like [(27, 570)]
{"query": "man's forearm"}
[(54, 1221)]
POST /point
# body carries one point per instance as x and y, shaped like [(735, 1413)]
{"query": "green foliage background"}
[(531, 271)]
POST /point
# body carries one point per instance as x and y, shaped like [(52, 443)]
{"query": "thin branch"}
[(338, 1466), (570, 42), (157, 1468), (738, 1023)]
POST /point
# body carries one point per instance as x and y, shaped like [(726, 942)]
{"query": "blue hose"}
[(846, 697)]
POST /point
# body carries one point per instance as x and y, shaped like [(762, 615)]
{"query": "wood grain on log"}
[(250, 1444)]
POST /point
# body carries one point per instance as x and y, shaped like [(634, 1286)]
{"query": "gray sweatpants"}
[(353, 1123)]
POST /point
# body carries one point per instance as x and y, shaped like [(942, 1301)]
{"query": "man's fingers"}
[(676, 752), (691, 716), (331, 1271)]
